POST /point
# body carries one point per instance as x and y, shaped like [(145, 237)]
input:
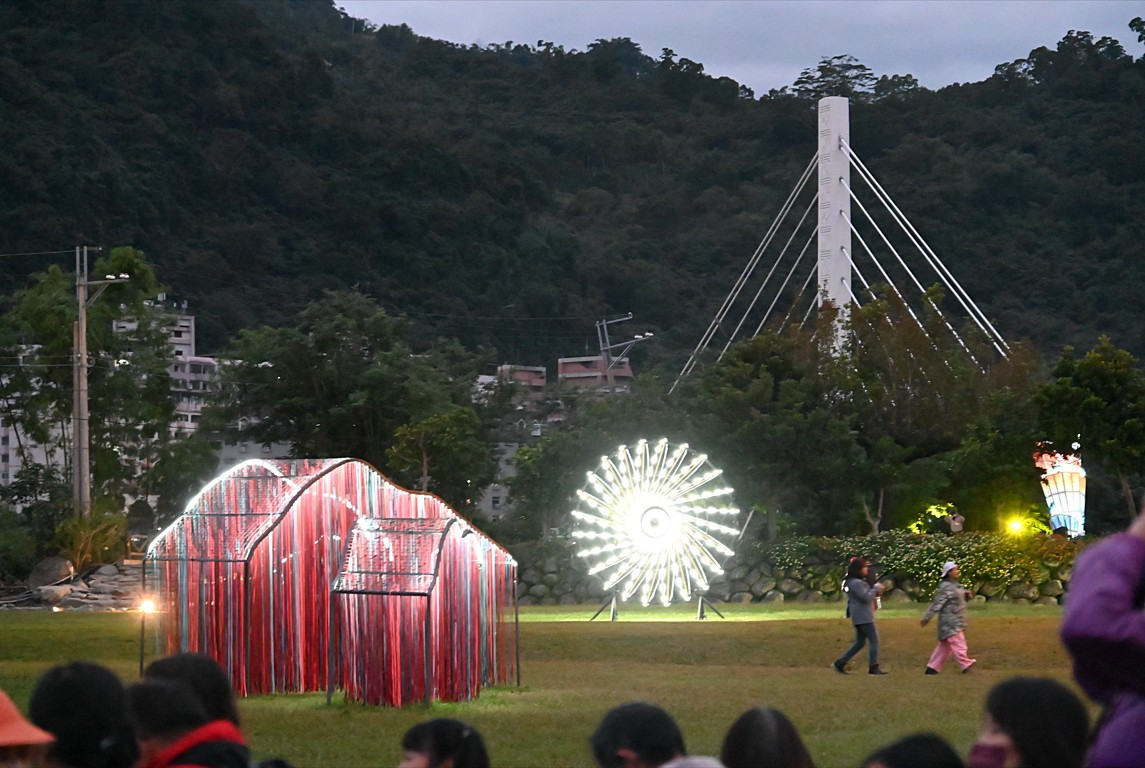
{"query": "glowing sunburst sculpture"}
[(650, 522)]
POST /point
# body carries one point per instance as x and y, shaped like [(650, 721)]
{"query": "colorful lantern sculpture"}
[(314, 574), (1063, 483)]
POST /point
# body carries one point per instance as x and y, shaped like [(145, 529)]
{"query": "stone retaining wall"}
[(563, 580), (113, 587)]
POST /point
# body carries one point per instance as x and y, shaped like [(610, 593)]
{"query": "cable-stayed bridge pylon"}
[(793, 255)]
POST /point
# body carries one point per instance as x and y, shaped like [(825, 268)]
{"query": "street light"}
[(81, 467)]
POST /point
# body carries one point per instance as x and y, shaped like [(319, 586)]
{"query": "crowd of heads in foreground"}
[(183, 714)]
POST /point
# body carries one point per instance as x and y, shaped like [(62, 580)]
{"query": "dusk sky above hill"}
[(765, 44)]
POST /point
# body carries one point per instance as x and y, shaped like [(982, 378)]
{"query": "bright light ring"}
[(651, 522)]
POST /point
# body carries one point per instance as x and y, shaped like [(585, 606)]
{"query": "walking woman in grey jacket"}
[(949, 604), (861, 608)]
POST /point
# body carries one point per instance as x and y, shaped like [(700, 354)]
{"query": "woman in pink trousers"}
[(949, 604)]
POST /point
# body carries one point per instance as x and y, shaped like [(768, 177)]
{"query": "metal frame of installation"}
[(314, 574)]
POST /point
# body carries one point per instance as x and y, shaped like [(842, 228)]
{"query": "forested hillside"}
[(509, 196)]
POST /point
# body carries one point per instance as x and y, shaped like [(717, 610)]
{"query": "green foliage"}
[(17, 547), (791, 551), (1098, 401), (902, 421), (267, 152), (99, 538), (343, 381), (836, 76), (444, 454), (44, 498), (981, 557), (180, 470), (129, 388), (539, 550), (927, 519)]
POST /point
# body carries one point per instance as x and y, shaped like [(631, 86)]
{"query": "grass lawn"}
[(705, 673)]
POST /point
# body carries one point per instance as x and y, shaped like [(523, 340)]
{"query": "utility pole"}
[(81, 448), (606, 348)]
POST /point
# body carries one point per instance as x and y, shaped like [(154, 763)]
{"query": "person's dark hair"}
[(444, 739), (764, 736), (164, 708), (646, 729), (85, 706), (1046, 721), (855, 567), (919, 750), (204, 676)]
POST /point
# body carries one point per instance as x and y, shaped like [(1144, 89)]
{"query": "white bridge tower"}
[(835, 209)]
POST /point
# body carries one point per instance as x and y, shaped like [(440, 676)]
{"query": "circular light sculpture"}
[(651, 521)]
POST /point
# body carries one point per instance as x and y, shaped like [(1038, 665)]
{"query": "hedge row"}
[(999, 566)]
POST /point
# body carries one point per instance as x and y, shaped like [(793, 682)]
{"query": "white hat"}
[(948, 567)]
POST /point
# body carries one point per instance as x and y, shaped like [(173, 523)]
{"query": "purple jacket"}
[(1104, 629)]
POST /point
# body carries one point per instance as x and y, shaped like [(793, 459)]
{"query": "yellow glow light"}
[(1015, 525), (147, 606)]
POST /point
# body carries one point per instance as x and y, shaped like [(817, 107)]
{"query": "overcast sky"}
[(765, 44)]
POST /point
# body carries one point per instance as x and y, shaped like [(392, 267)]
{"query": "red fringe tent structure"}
[(308, 575)]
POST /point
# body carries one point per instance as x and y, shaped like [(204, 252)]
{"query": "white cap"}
[(948, 567)]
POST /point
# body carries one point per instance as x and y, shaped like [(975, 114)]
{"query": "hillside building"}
[(593, 373)]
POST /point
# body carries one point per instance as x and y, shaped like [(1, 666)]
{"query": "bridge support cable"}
[(786, 280), (886, 277), (914, 279), (928, 253), (908, 271), (932, 258), (766, 280), (814, 304), (926, 334), (863, 279), (746, 274), (795, 303)]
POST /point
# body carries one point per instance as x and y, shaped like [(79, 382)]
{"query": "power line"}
[(37, 253)]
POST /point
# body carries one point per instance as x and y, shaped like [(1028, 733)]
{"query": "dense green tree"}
[(129, 386), (267, 152), (180, 469), (836, 76), (767, 412), (343, 382), (506, 196), (549, 472), (1099, 401), (992, 473), (446, 454)]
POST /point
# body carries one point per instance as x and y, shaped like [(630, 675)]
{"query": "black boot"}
[(838, 667), (931, 671), (874, 670)]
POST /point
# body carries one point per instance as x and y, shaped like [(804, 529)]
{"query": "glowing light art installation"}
[(1063, 482), (314, 574), (651, 521)]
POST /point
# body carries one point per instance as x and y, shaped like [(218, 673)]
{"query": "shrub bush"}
[(17, 547), (981, 557), (100, 537)]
